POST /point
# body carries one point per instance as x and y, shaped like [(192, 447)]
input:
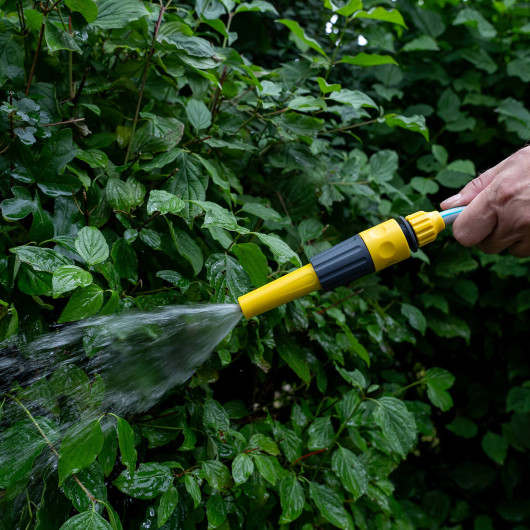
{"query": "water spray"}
[(369, 251)]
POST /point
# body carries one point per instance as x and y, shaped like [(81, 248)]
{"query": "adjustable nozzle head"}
[(285, 289), (426, 226)]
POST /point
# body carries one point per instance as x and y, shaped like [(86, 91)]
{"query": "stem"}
[(39, 44), (322, 311), (144, 77), (340, 129), (416, 383), (337, 46), (62, 122), (37, 426), (308, 455)]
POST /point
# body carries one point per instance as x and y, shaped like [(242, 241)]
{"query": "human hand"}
[(497, 216)]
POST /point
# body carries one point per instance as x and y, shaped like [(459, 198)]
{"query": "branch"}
[(144, 77)]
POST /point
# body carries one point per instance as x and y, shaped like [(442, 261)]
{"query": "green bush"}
[(180, 152)]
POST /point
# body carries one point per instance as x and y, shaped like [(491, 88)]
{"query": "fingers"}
[(520, 249), (476, 222), (471, 190)]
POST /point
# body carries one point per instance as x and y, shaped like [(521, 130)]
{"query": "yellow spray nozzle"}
[(372, 250), (285, 289)]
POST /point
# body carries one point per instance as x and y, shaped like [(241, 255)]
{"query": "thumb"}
[(470, 190)]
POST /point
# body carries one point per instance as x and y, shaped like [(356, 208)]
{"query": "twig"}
[(144, 77), (215, 106), (62, 122), (340, 129), (196, 140), (322, 311), (309, 454), (155, 214), (37, 50)]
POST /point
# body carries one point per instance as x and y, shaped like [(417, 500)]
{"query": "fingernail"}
[(454, 198)]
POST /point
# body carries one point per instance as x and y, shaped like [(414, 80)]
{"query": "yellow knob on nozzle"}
[(426, 226), (285, 289)]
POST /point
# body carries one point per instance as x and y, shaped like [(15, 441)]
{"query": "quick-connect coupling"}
[(426, 226)]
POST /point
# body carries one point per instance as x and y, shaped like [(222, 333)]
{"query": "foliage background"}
[(289, 136)]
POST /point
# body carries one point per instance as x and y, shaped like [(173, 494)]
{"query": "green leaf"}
[(118, 14), (365, 59), (438, 381), (84, 303), (475, 19), (193, 489), (326, 88), (320, 433), (107, 455), (518, 400), (265, 467), (19, 207), (91, 245), (215, 511), (175, 278), (227, 277), (424, 186), (93, 480), (125, 260), (299, 32), (355, 378), (187, 247), (414, 123), (217, 474), (90, 520), (415, 317), (350, 471), (218, 216), (256, 5), (463, 427), (397, 424), (88, 8), (215, 416), (242, 468), (127, 443), (495, 446), (198, 114), (383, 165), (300, 124), (281, 250), (58, 39), (40, 259), (68, 277), (190, 183), (118, 195), (347, 9), (296, 358), (380, 13), (292, 499), (253, 261), (164, 202), (168, 503), (264, 443), (20, 445), (79, 448), (148, 481), (422, 43), (330, 506), (355, 98)]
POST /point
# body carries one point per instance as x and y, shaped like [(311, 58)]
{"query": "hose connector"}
[(426, 226)]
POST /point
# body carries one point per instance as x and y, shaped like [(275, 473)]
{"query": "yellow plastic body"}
[(426, 226), (386, 243), (285, 289)]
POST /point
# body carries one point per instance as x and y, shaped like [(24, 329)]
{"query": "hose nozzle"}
[(372, 250)]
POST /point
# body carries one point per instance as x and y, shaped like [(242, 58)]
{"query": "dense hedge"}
[(178, 152)]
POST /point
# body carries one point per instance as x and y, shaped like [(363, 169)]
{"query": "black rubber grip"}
[(343, 263)]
